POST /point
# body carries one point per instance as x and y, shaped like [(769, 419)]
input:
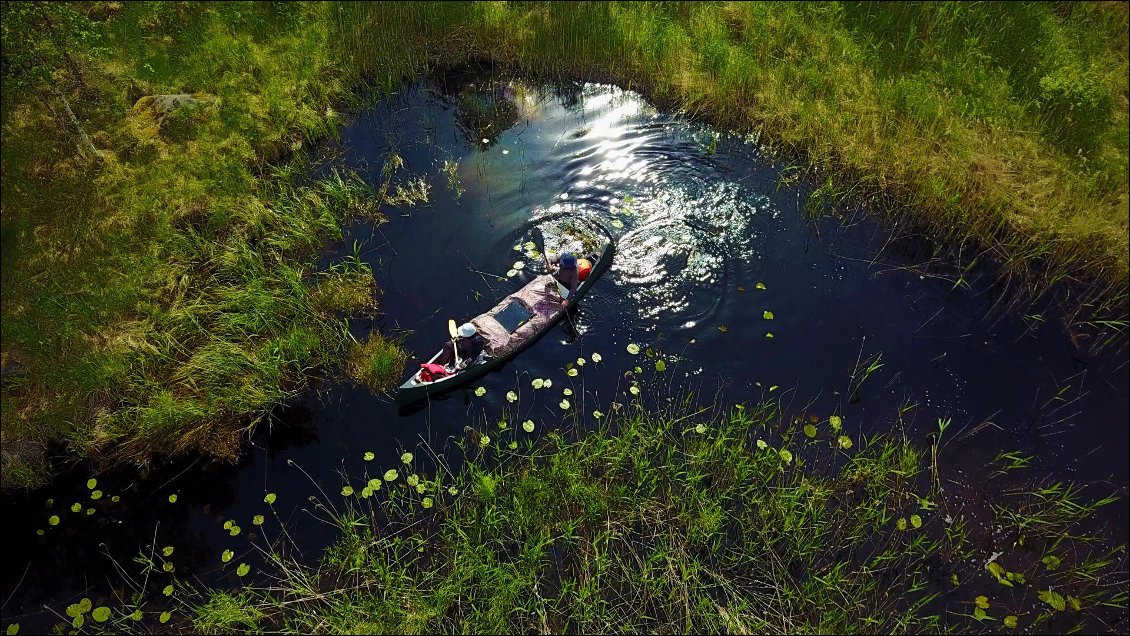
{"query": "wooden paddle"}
[(454, 333)]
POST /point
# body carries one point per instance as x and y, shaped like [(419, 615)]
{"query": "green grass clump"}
[(688, 521), (376, 363)]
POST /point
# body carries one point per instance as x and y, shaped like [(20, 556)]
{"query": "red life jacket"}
[(430, 372)]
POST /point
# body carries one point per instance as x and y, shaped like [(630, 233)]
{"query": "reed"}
[(683, 519)]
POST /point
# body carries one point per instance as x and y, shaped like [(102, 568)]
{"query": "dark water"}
[(700, 219)]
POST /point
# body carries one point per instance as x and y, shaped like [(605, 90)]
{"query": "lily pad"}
[(511, 273), (786, 455), (810, 431), (406, 458), (916, 521), (845, 442), (1010, 621), (243, 569), (227, 556), (528, 426), (768, 315), (100, 613), (391, 474), (548, 383), (564, 404), (617, 223), (257, 520), (568, 392), (700, 428), (235, 530), (760, 285), (369, 456), (597, 414), (982, 602), (91, 483), (421, 487), (168, 550), (660, 365), (537, 383), (168, 591), (762, 444), (427, 502), (480, 391), (511, 396), (165, 616), (836, 421), (580, 362), (572, 373), (633, 348), (596, 357), (901, 523), (484, 440), (518, 265), (374, 483), (413, 480), (512, 445), (768, 335), (269, 499), (634, 390), (1053, 599), (173, 498)]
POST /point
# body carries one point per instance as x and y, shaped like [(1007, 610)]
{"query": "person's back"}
[(566, 274), (469, 344), (470, 348)]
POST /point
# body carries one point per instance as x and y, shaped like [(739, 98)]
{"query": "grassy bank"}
[(1000, 127), (160, 289), (683, 521), (157, 286)]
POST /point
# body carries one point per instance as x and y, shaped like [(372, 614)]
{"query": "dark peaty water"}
[(699, 219)]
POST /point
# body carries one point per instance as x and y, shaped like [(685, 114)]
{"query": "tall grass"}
[(165, 298), (684, 520)]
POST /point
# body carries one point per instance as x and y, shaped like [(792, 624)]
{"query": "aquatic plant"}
[(680, 525)]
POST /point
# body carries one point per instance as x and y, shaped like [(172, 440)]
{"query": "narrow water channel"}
[(709, 239)]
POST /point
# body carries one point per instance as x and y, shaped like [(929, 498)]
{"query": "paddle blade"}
[(451, 327)]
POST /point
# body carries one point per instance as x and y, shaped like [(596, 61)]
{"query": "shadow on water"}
[(710, 238)]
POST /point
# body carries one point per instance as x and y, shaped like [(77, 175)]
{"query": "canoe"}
[(515, 323)]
